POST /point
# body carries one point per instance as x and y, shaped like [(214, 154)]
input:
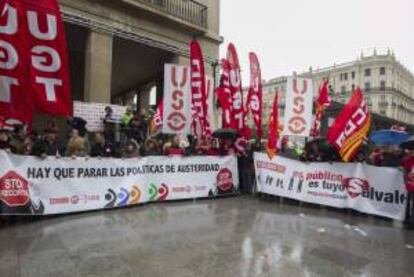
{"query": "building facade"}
[(118, 48), (388, 86)]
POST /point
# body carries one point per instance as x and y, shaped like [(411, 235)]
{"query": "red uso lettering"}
[(297, 124), (177, 120)]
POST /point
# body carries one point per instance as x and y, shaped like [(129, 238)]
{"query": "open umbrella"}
[(388, 137), (408, 144), (226, 133)]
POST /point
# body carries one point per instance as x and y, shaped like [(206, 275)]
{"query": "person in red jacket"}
[(408, 165)]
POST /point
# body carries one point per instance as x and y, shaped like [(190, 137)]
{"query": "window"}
[(353, 75), (367, 87), (343, 90), (383, 85), (382, 71), (346, 76), (367, 72), (353, 87), (340, 77)]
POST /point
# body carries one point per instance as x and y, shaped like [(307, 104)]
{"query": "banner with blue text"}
[(29, 185)]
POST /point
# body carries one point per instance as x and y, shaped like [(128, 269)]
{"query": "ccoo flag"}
[(351, 127)]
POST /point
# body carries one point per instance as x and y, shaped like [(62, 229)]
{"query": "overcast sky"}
[(292, 35)]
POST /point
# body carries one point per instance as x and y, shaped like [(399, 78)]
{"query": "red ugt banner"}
[(198, 91), (49, 70), (34, 62), (15, 98), (254, 99)]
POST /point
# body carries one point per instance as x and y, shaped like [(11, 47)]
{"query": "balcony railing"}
[(188, 10)]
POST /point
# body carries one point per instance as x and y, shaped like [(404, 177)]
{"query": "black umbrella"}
[(226, 133), (408, 144)]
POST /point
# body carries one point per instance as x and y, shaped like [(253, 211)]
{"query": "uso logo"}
[(177, 120), (297, 124)]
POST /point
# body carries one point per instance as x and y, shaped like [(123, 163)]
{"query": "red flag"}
[(198, 91), (351, 127), (49, 71), (236, 91), (254, 98), (323, 102), (15, 94), (273, 135), (156, 122), (223, 93)]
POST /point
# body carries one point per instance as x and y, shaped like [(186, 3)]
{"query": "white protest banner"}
[(299, 106), (53, 186), (177, 100), (94, 113), (365, 188)]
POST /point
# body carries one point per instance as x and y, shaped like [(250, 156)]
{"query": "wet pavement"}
[(242, 236)]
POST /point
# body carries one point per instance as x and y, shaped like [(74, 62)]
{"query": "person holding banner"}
[(408, 166), (175, 149)]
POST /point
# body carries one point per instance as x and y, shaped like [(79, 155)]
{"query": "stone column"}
[(98, 68)]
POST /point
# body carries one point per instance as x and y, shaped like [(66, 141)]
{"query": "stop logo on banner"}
[(14, 190)]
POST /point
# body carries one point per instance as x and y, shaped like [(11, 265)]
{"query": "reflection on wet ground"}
[(240, 236)]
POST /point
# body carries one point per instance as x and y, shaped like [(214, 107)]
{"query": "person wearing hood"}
[(50, 144), (5, 140), (77, 146), (151, 148), (131, 149), (102, 147)]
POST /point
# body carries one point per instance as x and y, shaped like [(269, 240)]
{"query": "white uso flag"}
[(299, 106), (177, 100)]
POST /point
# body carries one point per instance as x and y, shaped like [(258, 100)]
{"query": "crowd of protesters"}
[(133, 140), (132, 137)]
